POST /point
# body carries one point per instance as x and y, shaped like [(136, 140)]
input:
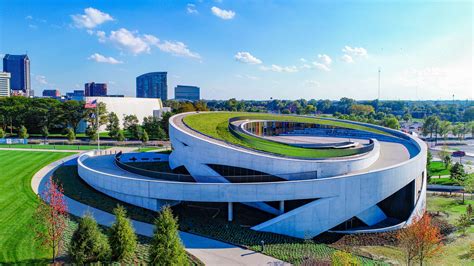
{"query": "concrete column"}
[(282, 206), (230, 212)]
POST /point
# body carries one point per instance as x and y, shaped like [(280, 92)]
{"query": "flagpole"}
[(98, 127)]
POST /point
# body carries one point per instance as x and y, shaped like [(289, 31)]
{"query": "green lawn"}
[(437, 168), (443, 181), (216, 126), (17, 205), (52, 147)]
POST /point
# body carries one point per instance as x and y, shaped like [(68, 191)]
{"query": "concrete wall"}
[(340, 197)]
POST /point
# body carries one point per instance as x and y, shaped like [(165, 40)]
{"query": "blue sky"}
[(249, 49)]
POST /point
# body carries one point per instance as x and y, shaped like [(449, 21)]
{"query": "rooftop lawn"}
[(216, 125), (17, 205)]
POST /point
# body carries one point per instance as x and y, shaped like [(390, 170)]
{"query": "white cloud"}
[(191, 9), (247, 77), (91, 18), (223, 14), (177, 48), (103, 59), (347, 58), (312, 83), (325, 59), (41, 79), (306, 66), (354, 51), (33, 26), (277, 68), (129, 41), (29, 17), (138, 44), (247, 58), (321, 66), (303, 60)]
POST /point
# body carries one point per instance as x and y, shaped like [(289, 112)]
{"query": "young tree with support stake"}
[(51, 218)]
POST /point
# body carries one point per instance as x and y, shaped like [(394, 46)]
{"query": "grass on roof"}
[(216, 125)]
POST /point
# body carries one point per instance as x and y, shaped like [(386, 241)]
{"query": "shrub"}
[(23, 133), (70, 135), (88, 244), (2, 133), (166, 247), (342, 258), (123, 240)]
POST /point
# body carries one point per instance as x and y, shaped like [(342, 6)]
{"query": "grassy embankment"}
[(216, 125)]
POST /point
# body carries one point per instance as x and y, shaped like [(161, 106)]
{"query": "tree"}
[(420, 240), (458, 173), (166, 247), (164, 122), (463, 223), (23, 133), (431, 125), (2, 133), (130, 123), (429, 158), (51, 218), (88, 243), (444, 129), (91, 132), (120, 136), (122, 238), (70, 134), (342, 258), (391, 122), (72, 112), (468, 185), (44, 132), (145, 137), (447, 161), (361, 109), (113, 125), (152, 126)]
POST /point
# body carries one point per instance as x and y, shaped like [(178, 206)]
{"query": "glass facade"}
[(189, 93), (153, 85), (95, 89), (19, 68)]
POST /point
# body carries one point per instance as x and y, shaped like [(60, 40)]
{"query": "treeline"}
[(434, 127), (458, 111)]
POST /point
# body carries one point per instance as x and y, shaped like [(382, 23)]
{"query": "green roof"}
[(215, 125)]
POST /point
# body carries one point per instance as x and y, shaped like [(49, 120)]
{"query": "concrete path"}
[(209, 251)]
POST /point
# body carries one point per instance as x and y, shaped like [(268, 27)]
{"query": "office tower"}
[(152, 85), (5, 84), (95, 89), (51, 93), (19, 68), (189, 93)]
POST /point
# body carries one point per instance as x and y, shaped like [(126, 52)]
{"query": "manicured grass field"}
[(17, 205), (216, 125), (52, 147), (443, 181), (437, 168)]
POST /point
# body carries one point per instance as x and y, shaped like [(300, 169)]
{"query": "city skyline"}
[(283, 50)]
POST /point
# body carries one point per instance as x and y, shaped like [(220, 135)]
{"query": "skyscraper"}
[(4, 84), (153, 85), (19, 68), (189, 93), (95, 89), (51, 93)]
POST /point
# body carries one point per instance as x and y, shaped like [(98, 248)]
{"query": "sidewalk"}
[(209, 251)]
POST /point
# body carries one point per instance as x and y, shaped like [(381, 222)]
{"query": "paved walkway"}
[(209, 251)]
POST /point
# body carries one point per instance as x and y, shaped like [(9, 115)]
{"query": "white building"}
[(5, 84), (122, 106)]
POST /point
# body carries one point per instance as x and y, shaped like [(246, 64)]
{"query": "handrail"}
[(190, 179)]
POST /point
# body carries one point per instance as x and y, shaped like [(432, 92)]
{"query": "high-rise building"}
[(152, 85), (77, 95), (51, 93), (5, 84), (95, 89), (188, 93), (19, 68)]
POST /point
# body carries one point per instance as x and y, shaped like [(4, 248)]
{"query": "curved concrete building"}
[(313, 175)]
